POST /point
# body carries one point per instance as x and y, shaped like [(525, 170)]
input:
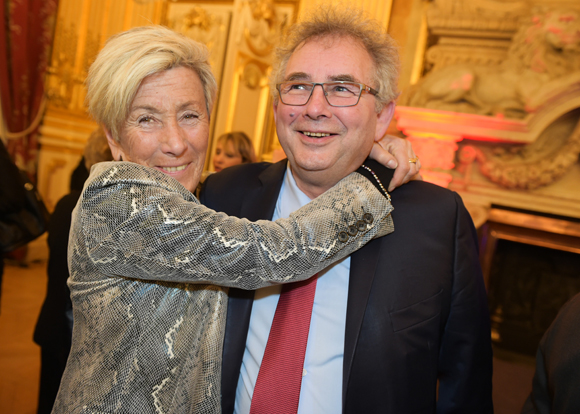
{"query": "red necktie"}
[(277, 388)]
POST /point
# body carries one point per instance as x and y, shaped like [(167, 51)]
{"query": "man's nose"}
[(317, 104)]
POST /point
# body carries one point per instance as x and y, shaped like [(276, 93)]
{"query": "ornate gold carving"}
[(206, 25), (252, 75), (476, 15), (263, 26), (535, 165), (478, 52), (197, 18), (543, 50), (62, 77)]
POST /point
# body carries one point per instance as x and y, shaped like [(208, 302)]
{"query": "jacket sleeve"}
[(136, 222), (465, 358)]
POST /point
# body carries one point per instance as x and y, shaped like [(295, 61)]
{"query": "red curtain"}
[(25, 43)]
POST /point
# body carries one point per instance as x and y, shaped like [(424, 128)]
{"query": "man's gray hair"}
[(328, 21)]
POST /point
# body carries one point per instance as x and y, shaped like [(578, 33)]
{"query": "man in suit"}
[(402, 325)]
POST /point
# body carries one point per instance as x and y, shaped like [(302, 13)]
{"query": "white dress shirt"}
[(321, 390)]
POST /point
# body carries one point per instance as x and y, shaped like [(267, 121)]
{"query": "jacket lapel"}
[(363, 267), (260, 202), (363, 264)]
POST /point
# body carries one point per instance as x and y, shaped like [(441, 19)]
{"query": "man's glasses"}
[(337, 93)]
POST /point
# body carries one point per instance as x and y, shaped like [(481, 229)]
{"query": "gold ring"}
[(413, 160)]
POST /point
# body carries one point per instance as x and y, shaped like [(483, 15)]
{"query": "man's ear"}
[(384, 119), (275, 104), (115, 147)]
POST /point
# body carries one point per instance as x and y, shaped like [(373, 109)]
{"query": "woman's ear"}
[(115, 147)]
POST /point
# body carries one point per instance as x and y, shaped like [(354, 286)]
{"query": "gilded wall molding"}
[(481, 18)]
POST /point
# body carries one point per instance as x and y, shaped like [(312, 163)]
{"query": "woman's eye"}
[(190, 116), (145, 120)]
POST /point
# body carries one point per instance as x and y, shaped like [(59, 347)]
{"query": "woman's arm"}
[(138, 223)]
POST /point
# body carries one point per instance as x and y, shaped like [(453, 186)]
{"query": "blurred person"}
[(53, 330), (233, 148), (557, 378), (12, 195), (147, 333)]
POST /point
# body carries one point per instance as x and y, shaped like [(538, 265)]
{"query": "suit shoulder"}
[(236, 178), (424, 190), (230, 186), (237, 173), (413, 190)]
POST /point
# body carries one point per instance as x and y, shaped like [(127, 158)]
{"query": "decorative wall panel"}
[(502, 84)]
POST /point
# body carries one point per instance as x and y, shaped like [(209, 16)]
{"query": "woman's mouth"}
[(174, 169)]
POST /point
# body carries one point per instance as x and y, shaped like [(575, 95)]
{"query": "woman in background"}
[(233, 148)]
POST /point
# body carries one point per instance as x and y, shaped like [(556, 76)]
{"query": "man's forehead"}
[(328, 41), (303, 76), (325, 42)]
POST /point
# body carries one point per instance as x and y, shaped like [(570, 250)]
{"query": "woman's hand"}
[(397, 153)]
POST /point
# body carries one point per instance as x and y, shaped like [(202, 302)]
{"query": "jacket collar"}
[(260, 202)]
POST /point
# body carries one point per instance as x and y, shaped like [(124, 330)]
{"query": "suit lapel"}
[(260, 202), (363, 264)]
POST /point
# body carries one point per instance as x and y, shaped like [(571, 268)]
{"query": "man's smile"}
[(316, 134)]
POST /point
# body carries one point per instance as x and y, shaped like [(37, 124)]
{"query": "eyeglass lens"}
[(337, 93)]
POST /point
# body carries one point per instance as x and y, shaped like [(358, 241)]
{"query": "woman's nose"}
[(175, 139)]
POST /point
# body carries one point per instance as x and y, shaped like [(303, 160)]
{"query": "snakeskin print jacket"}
[(148, 329)]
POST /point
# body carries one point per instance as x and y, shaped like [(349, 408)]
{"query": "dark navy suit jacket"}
[(417, 307)]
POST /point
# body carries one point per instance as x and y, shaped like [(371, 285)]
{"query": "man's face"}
[(325, 143)]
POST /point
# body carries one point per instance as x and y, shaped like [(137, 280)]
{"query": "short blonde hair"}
[(128, 58), (328, 21), (242, 145)]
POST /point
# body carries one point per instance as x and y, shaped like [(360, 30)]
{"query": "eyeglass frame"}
[(363, 88)]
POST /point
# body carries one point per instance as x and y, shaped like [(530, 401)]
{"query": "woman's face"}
[(225, 155), (167, 127)]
